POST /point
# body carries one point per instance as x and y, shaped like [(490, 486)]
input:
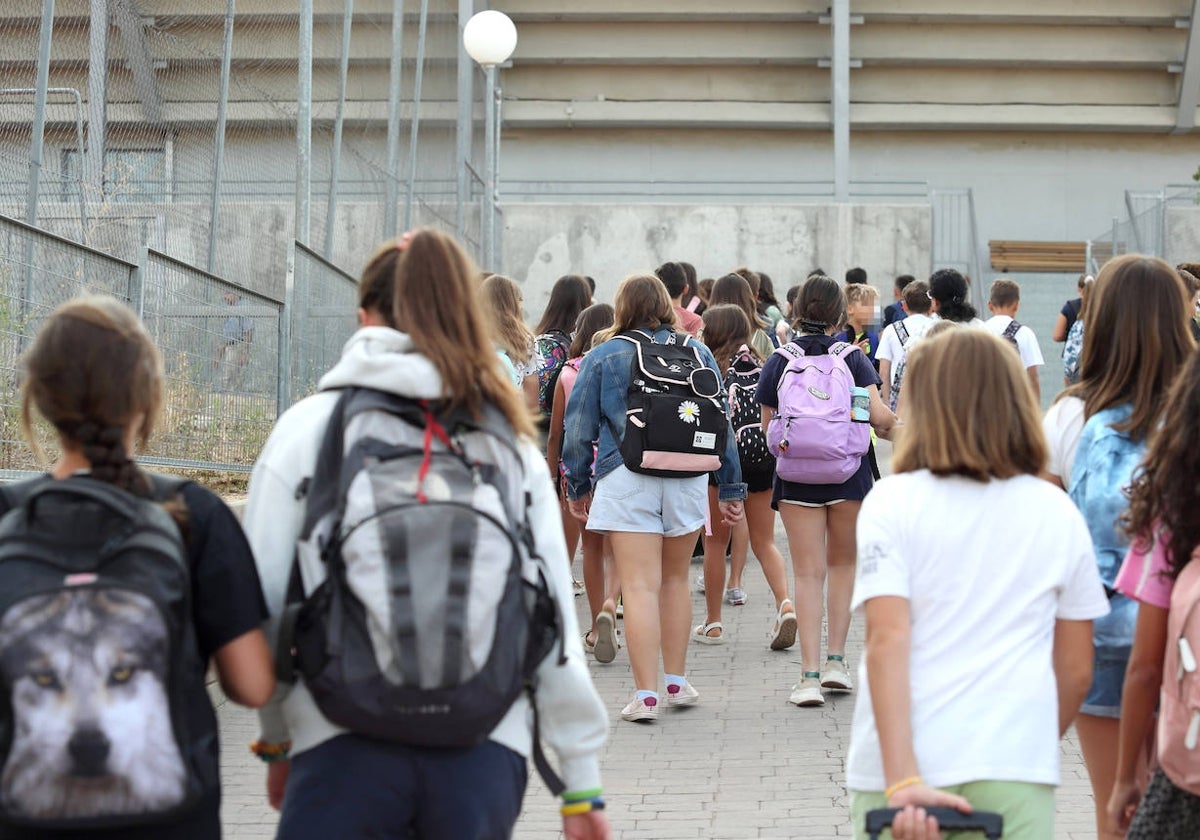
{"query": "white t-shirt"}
[(1063, 425), (985, 584), (890, 347), (1027, 343)]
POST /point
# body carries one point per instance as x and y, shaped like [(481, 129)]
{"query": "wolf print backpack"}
[(1179, 701), (434, 613), (553, 348), (812, 435), (745, 413), (98, 659), (675, 421)]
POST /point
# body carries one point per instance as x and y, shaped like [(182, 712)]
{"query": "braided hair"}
[(94, 374)]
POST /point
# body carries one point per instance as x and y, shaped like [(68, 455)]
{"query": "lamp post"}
[(490, 38)]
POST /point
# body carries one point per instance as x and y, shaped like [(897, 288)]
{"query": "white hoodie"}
[(573, 721)]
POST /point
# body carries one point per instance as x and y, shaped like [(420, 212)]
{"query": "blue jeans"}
[(356, 787)]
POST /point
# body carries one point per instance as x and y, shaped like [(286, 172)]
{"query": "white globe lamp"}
[(490, 38)]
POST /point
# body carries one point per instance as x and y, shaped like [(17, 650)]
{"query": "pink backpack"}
[(1179, 706), (812, 435)]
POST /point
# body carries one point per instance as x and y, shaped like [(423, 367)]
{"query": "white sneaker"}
[(640, 709), (700, 583), (836, 676), (682, 695), (807, 693)]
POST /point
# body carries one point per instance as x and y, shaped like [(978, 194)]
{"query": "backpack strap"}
[(901, 332), (842, 349), (1010, 332), (791, 350)]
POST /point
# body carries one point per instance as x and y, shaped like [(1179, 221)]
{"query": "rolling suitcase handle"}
[(948, 819)]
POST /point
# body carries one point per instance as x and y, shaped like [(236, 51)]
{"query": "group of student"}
[(410, 528)]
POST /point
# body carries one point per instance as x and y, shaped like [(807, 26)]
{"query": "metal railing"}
[(322, 318), (675, 191), (955, 237)]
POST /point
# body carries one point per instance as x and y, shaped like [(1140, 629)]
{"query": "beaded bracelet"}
[(584, 806), (902, 784), (269, 752)]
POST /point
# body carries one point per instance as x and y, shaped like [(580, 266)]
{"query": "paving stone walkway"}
[(743, 763)]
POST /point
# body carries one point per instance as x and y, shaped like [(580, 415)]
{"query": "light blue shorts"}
[(645, 504)]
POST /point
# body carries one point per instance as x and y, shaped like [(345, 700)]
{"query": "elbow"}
[(252, 695), (1144, 675)]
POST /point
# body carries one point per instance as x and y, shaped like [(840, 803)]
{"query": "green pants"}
[(1028, 809)]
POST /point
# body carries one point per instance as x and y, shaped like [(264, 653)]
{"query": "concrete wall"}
[(608, 242)]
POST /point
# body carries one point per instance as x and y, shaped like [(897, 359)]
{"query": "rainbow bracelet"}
[(584, 806), (269, 752)]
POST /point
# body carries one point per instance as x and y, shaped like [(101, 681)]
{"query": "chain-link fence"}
[(322, 318)]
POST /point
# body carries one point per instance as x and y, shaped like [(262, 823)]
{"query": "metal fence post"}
[(335, 163), (489, 168), (283, 385), (219, 137), (395, 76), (415, 122), (304, 125), (38, 139), (92, 167), (464, 130), (137, 284)]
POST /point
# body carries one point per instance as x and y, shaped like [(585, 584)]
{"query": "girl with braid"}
[(95, 376)]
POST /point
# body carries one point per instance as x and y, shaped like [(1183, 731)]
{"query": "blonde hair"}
[(641, 302), (502, 302), (970, 410), (436, 301), (860, 293)]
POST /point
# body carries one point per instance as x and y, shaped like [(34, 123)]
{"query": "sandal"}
[(605, 648), (700, 634), (588, 647), (783, 633)]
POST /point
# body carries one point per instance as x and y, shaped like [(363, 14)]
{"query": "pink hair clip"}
[(402, 242)]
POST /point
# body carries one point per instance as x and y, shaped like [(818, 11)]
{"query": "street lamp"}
[(490, 38)]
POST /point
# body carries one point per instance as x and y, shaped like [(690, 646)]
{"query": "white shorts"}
[(646, 504)]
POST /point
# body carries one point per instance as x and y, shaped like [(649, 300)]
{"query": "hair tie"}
[(813, 326)]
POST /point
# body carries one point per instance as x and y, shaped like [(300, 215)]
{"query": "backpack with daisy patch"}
[(675, 420)]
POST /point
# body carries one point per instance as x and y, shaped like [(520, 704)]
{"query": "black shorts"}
[(757, 480)]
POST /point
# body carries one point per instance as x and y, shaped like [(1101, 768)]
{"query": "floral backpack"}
[(745, 412)]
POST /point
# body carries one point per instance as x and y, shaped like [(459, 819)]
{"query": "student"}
[(1187, 272), (94, 374), (674, 277), (862, 312), (819, 518), (1070, 311), (976, 661), (948, 297), (768, 306), (899, 335), (502, 300), (568, 297), (601, 586), (894, 312), (1073, 349), (1097, 433), (692, 301), (855, 276), (735, 289), (1165, 533), (1003, 302), (652, 521), (423, 337), (727, 334)]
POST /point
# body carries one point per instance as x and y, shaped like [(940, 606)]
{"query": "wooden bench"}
[(1013, 256)]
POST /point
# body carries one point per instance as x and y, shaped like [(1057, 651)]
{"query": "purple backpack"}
[(812, 435)]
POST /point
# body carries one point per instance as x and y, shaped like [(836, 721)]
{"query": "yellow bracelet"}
[(902, 784), (574, 808)]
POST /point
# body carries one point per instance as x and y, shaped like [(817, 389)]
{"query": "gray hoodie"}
[(574, 724)]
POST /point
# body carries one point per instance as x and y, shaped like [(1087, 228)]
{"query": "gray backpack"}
[(435, 613)]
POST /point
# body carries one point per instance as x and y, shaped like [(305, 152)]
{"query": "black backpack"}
[(434, 613), (98, 660), (745, 412), (675, 423)]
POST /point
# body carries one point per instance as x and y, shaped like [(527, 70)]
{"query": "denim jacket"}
[(596, 411)]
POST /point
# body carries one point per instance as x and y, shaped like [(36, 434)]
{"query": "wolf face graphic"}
[(92, 732)]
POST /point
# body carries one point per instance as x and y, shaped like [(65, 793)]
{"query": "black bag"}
[(434, 613), (675, 423), (98, 660), (949, 819), (745, 413)]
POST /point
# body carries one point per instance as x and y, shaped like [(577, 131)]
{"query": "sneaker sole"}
[(639, 717), (806, 704), (681, 703), (605, 649), (786, 637), (836, 685)]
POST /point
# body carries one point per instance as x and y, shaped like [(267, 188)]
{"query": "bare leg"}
[(675, 602), (805, 528), (714, 563), (760, 521), (842, 552), (593, 574), (641, 585), (738, 550), (1098, 742)]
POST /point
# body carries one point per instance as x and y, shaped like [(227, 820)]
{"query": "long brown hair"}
[(597, 317), (970, 410), (502, 304), (1165, 491), (735, 289), (726, 330), (641, 302), (1135, 340), (436, 300), (93, 372)]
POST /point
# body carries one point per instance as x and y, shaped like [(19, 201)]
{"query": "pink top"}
[(1145, 575), (689, 322)]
